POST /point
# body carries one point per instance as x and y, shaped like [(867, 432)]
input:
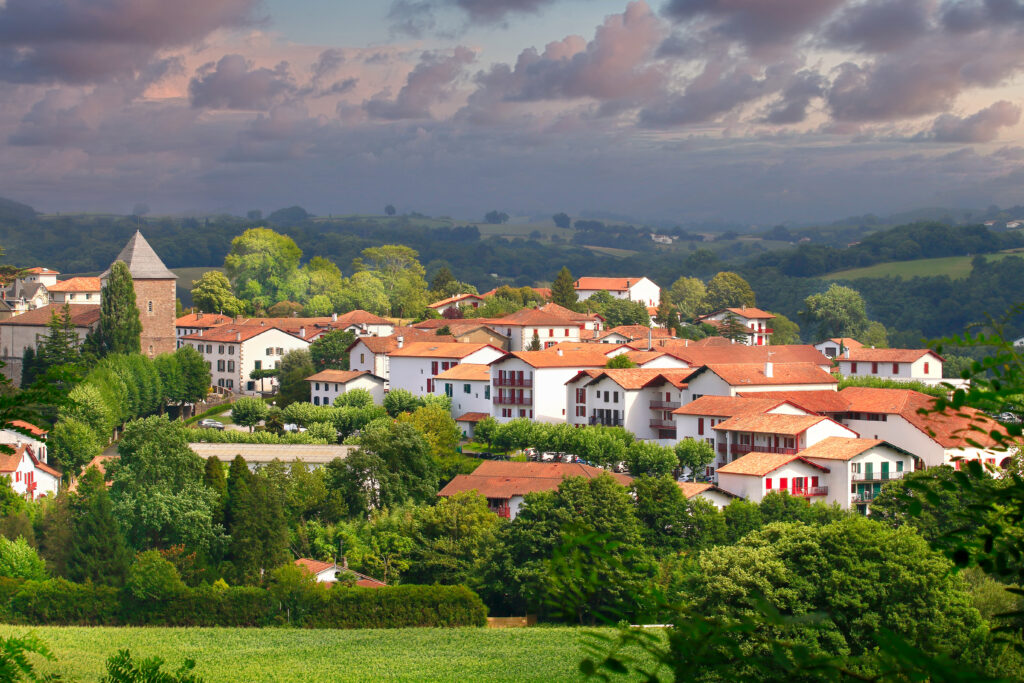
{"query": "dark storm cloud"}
[(791, 106), (879, 26), (76, 41), (416, 17), (427, 84), (755, 21), (233, 83), (967, 16)]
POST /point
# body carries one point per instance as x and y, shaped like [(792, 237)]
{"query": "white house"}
[(29, 475), (457, 301), (415, 366), (623, 334), (729, 379), (468, 385), (858, 468), (327, 385), (37, 441), (76, 290), (837, 346), (531, 384), (639, 289), (641, 400), (590, 321), (30, 291), (373, 354), (330, 572), (922, 365), (30, 328), (757, 474), (754, 319), (233, 351), (715, 495), (783, 433), (192, 323), (504, 484), (550, 329)]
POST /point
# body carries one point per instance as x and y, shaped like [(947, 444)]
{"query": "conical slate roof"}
[(142, 261)]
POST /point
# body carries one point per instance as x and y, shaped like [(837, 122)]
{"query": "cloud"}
[(756, 22), (791, 107), (75, 41), (427, 84), (416, 17), (982, 126), (233, 83), (880, 26)]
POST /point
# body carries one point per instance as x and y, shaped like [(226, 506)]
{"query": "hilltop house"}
[(754, 319), (639, 289)]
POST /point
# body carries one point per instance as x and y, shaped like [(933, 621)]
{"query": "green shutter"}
[(885, 470)]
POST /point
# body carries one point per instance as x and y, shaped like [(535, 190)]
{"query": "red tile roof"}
[(409, 335), (816, 400), (316, 566), (468, 372), (840, 448), (339, 376), (847, 342), (82, 315), (638, 378), (531, 316), (695, 354), (9, 461), (438, 349), (634, 332), (568, 314), (234, 333), (727, 406), (749, 313), (756, 464), (552, 359), (38, 431), (886, 355), (38, 270), (77, 284), (472, 417), (203, 320), (691, 489), (496, 479), (455, 299), (753, 374), (769, 423), (611, 284)]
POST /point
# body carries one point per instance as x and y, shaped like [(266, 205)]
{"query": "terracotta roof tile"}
[(82, 315), (469, 372), (750, 313), (727, 406), (691, 489), (751, 374), (634, 332), (756, 464), (497, 479), (848, 342), (455, 299), (815, 400), (839, 448), (77, 284), (531, 316), (409, 335), (234, 333), (203, 320), (472, 417), (38, 431), (568, 314), (314, 566), (638, 378), (611, 284), (339, 376), (696, 354), (769, 423), (437, 349), (550, 359)]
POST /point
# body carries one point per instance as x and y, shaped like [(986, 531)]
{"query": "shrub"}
[(61, 602), (398, 607), (153, 578), (19, 560)]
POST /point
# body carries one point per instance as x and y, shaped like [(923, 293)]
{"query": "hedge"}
[(60, 602)]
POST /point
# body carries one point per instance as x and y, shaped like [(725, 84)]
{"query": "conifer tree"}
[(60, 347), (213, 477), (534, 343), (563, 289), (731, 328), (29, 366), (119, 329), (259, 529), (98, 551)]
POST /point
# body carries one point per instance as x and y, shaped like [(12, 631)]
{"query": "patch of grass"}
[(234, 654), (611, 251), (955, 267)]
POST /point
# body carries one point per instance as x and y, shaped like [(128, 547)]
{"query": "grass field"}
[(956, 267), (226, 654)]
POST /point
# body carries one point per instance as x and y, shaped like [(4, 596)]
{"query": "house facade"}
[(858, 468), (639, 399), (76, 290), (531, 384), (754, 320), (233, 352), (28, 475), (756, 474), (468, 385), (327, 385), (639, 289), (415, 366), (921, 365)]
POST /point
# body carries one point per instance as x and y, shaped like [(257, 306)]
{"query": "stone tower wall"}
[(155, 299)]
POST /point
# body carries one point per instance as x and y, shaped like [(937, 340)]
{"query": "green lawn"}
[(232, 654), (956, 267)]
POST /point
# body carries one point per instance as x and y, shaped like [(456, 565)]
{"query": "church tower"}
[(155, 290)]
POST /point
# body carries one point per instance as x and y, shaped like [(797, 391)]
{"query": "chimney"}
[(401, 341), (199, 316), (847, 351), (238, 336), (627, 284), (302, 331), (200, 332), (334, 317), (558, 351), (768, 369), (650, 339), (263, 323)]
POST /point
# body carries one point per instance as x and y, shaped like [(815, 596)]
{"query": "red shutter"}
[(700, 425), (853, 367), (768, 483), (433, 367), (783, 483), (874, 368), (814, 482), (926, 368), (895, 368)]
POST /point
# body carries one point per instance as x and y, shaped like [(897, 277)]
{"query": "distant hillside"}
[(12, 211)]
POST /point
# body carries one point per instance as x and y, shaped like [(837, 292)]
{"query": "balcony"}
[(506, 400), (605, 421), (863, 497), (525, 382), (662, 424), (743, 448), (809, 491), (877, 476), (664, 405)]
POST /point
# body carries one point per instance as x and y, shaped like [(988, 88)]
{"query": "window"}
[(814, 482), (615, 397), (362, 358), (220, 366), (899, 465), (895, 368), (853, 368), (317, 385), (209, 348), (433, 367), (231, 350), (270, 351), (567, 333), (874, 368), (149, 307), (258, 364), (220, 348), (522, 413), (316, 400), (768, 483), (231, 366), (700, 429), (551, 332), (466, 389), (230, 384), (448, 389), (581, 411), (430, 386), (581, 395), (606, 397), (487, 391)]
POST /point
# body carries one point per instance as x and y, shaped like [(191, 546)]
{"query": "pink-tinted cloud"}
[(428, 84), (982, 126), (755, 21), (233, 83)]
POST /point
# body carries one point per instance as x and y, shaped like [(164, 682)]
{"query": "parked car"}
[(294, 428), (208, 423)]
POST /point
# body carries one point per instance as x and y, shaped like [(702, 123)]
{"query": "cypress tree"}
[(29, 366), (563, 289), (61, 344), (98, 551), (119, 329), (213, 477), (238, 480)]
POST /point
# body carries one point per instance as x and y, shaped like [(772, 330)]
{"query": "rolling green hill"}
[(955, 267)]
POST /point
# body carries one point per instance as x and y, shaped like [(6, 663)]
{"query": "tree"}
[(330, 351), (661, 509), (211, 293), (694, 455), (61, 344), (620, 361), (249, 411), (363, 482), (296, 366), (153, 578), (442, 281), (731, 328), (563, 289), (837, 312), (437, 426), (254, 215), (728, 290), (30, 366), (534, 344), (784, 331), (121, 668), (19, 560), (496, 217), (485, 430), (119, 329), (259, 263), (354, 398), (398, 401), (259, 530), (98, 552), (562, 220), (389, 210), (213, 479), (647, 457), (399, 270), (195, 374), (875, 335), (72, 444), (666, 315), (741, 518), (406, 453), (688, 294), (364, 291)]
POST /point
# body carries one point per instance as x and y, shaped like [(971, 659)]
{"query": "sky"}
[(746, 111)]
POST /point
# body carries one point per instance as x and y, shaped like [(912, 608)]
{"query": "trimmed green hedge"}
[(60, 602)]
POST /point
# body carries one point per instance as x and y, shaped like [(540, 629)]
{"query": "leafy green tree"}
[(14, 665), (741, 518), (296, 366), (661, 509), (620, 361), (705, 524), (354, 398), (666, 315), (837, 312), (214, 479), (121, 668), (398, 401), (249, 411), (399, 270), (647, 457), (437, 426), (363, 482), (784, 330), (622, 312), (19, 560), (30, 366), (454, 541), (563, 289), (317, 306), (330, 352), (496, 217), (172, 382), (258, 528), (86, 404), (485, 430), (97, 553), (119, 329), (389, 210), (195, 374), (687, 294), (259, 264), (875, 335), (694, 455), (153, 578), (211, 293), (727, 290), (72, 444), (442, 281), (562, 220), (406, 453), (779, 506), (365, 291)]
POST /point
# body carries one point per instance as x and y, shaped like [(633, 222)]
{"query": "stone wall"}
[(155, 299)]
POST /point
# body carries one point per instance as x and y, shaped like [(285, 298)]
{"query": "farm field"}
[(269, 654), (955, 267)]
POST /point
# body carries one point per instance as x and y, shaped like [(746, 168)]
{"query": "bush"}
[(398, 607), (232, 436), (19, 560), (61, 602), (153, 578)]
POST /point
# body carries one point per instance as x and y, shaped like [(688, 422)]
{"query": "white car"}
[(208, 423)]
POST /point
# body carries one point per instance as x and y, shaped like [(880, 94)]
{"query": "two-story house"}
[(920, 365), (526, 324), (233, 352), (858, 468), (730, 379), (837, 346), (416, 365), (639, 289), (455, 302), (531, 384), (76, 290), (639, 399), (327, 385), (28, 475), (772, 433), (754, 320), (468, 385), (373, 354), (756, 474)]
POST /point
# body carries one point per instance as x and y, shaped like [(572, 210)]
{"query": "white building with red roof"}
[(504, 484), (639, 289), (531, 384), (639, 399), (36, 438), (549, 328), (754, 319), (455, 302), (233, 352), (468, 385), (373, 354), (331, 572), (769, 432), (28, 329), (837, 346), (327, 385), (730, 379), (756, 474), (858, 468), (920, 365), (416, 365), (76, 290), (715, 495), (28, 474)]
